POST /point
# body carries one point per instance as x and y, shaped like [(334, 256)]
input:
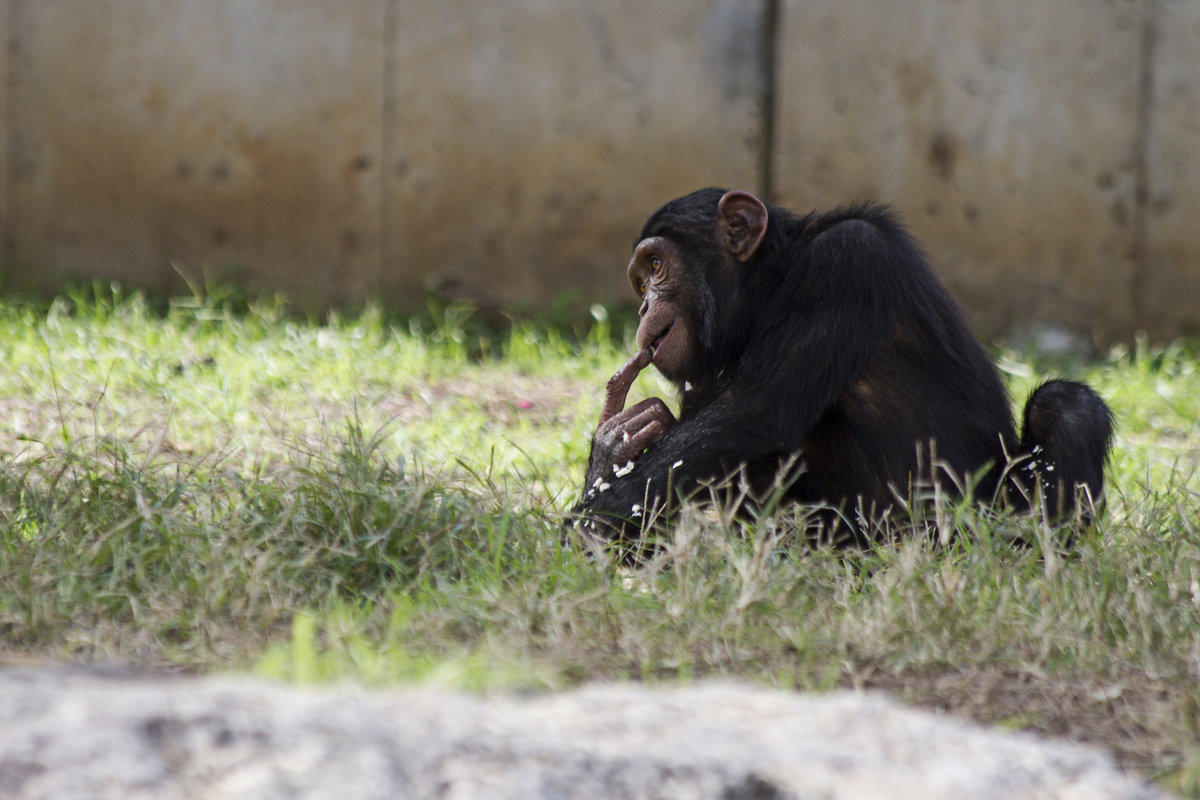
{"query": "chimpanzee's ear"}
[(741, 224)]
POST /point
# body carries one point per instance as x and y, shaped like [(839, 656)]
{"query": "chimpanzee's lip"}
[(658, 340)]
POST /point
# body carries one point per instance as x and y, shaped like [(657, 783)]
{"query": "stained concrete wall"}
[(508, 152), (1005, 133), (526, 140), (1167, 267), (155, 138)]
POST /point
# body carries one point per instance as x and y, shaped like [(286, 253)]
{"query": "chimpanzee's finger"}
[(652, 408), (618, 385), (650, 433)]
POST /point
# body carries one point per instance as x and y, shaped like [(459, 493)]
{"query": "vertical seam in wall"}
[(1147, 47), (7, 235), (384, 282), (769, 49)]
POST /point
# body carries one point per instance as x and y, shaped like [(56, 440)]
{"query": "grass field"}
[(211, 491)]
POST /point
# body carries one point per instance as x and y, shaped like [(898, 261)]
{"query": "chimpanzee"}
[(818, 355)]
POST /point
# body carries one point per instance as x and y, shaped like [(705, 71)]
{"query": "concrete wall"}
[(150, 138), (509, 151), (526, 140), (1006, 133), (1167, 259)]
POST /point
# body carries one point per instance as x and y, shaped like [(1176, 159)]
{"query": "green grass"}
[(359, 499)]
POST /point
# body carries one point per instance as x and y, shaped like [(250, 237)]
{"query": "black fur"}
[(837, 343)]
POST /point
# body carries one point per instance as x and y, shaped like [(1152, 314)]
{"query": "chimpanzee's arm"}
[(840, 296), (618, 498)]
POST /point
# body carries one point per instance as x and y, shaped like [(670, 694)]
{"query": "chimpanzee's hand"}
[(624, 433), (621, 439)]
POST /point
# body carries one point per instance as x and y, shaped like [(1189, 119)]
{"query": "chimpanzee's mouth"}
[(658, 340)]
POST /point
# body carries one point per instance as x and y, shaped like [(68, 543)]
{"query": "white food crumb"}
[(604, 487), (677, 464), (599, 481), (621, 472), (687, 386), (624, 437)]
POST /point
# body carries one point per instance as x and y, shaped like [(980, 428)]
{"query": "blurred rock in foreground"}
[(70, 735)]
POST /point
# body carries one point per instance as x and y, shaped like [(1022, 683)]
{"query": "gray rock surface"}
[(69, 735)]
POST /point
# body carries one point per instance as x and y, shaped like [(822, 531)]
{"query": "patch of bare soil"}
[(542, 401), (1139, 720)]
